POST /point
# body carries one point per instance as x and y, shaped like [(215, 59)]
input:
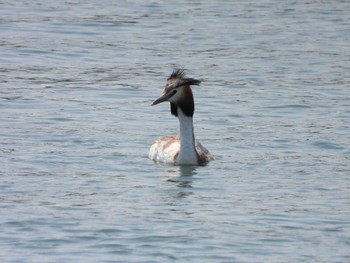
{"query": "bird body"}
[(183, 149)]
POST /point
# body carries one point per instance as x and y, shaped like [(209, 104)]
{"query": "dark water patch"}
[(293, 106), (328, 145)]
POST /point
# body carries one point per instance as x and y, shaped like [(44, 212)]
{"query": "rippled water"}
[(77, 80)]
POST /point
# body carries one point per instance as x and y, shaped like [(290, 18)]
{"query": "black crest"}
[(177, 74), (178, 78)]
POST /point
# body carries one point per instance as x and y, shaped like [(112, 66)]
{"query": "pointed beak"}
[(163, 98), (160, 99)]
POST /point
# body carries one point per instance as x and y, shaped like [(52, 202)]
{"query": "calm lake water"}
[(77, 80)]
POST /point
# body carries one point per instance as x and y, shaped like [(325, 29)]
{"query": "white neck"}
[(187, 154)]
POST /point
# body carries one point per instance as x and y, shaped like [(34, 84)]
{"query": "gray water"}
[(77, 80)]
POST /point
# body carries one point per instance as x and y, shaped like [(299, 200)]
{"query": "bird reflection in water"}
[(183, 178)]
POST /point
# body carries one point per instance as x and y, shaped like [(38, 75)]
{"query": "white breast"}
[(165, 149)]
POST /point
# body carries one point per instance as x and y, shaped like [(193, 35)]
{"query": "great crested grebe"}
[(183, 149)]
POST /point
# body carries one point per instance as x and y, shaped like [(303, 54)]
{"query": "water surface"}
[(77, 80)]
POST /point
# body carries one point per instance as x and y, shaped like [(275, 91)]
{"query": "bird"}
[(181, 149)]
